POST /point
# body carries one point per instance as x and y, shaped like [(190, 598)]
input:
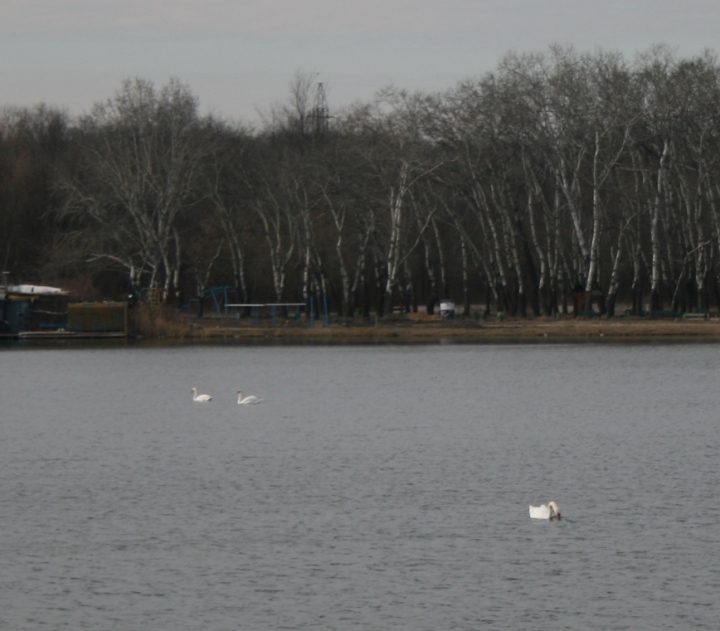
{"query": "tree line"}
[(557, 176)]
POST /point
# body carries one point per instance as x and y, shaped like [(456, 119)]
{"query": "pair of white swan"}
[(204, 398), (549, 511)]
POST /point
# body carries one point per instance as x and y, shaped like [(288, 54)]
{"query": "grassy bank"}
[(166, 324)]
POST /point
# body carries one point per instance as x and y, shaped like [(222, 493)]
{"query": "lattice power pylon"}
[(320, 114)]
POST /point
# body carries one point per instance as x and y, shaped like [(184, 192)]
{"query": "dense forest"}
[(557, 174)]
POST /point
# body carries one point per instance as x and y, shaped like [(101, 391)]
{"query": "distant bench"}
[(696, 316)]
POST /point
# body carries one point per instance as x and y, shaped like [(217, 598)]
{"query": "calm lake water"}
[(376, 487)]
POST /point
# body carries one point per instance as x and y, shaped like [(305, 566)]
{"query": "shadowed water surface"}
[(375, 488)]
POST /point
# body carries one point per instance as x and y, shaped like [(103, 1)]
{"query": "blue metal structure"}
[(14, 316), (219, 295)]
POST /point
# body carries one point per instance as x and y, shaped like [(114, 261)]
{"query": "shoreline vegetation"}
[(408, 328), (559, 181)]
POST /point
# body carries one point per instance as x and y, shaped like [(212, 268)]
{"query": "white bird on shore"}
[(551, 511), (249, 399), (200, 398)]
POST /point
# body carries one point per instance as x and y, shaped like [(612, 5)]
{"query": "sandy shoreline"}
[(522, 330)]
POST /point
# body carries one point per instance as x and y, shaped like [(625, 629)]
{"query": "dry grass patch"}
[(159, 322)]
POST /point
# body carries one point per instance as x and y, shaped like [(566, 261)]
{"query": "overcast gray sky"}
[(238, 56)]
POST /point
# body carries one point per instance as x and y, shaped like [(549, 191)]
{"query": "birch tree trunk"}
[(654, 230)]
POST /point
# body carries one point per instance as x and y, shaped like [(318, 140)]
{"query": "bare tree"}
[(142, 157)]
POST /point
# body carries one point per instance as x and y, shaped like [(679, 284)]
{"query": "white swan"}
[(200, 398), (551, 511), (250, 399)]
